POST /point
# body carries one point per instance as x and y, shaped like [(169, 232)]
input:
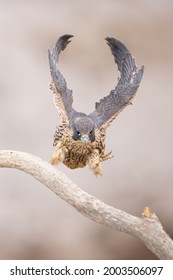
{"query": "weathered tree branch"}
[(148, 228)]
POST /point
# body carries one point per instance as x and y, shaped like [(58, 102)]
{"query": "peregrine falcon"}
[(79, 140)]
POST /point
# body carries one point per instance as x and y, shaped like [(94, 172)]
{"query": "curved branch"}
[(148, 228)]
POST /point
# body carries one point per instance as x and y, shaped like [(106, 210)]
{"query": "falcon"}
[(79, 139)]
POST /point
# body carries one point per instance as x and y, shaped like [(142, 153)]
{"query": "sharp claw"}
[(106, 156)]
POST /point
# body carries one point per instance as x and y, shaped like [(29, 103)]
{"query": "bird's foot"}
[(98, 170), (58, 155), (107, 156), (54, 159), (94, 163)]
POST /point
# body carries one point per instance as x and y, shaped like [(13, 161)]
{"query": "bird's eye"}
[(78, 132)]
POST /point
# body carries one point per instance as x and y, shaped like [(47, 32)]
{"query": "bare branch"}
[(148, 228)]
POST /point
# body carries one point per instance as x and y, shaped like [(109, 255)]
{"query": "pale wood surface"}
[(147, 228)]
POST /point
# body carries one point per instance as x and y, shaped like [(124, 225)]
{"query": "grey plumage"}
[(109, 107), (58, 79)]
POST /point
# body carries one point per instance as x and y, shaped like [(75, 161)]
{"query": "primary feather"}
[(110, 106), (63, 97)]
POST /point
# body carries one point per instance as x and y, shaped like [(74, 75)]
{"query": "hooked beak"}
[(84, 138)]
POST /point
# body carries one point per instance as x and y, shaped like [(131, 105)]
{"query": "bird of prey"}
[(79, 140)]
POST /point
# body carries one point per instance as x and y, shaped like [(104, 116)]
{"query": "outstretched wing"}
[(62, 95), (109, 107)]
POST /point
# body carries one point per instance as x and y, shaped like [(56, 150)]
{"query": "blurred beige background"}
[(34, 223)]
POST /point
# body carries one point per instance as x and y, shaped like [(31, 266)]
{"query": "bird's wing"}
[(62, 95), (109, 107)]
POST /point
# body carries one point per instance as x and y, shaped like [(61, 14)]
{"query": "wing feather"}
[(63, 97), (110, 106)]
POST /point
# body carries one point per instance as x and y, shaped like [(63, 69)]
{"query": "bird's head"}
[(84, 130)]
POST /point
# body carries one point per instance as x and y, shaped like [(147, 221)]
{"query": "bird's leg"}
[(94, 162), (59, 154), (107, 156)]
